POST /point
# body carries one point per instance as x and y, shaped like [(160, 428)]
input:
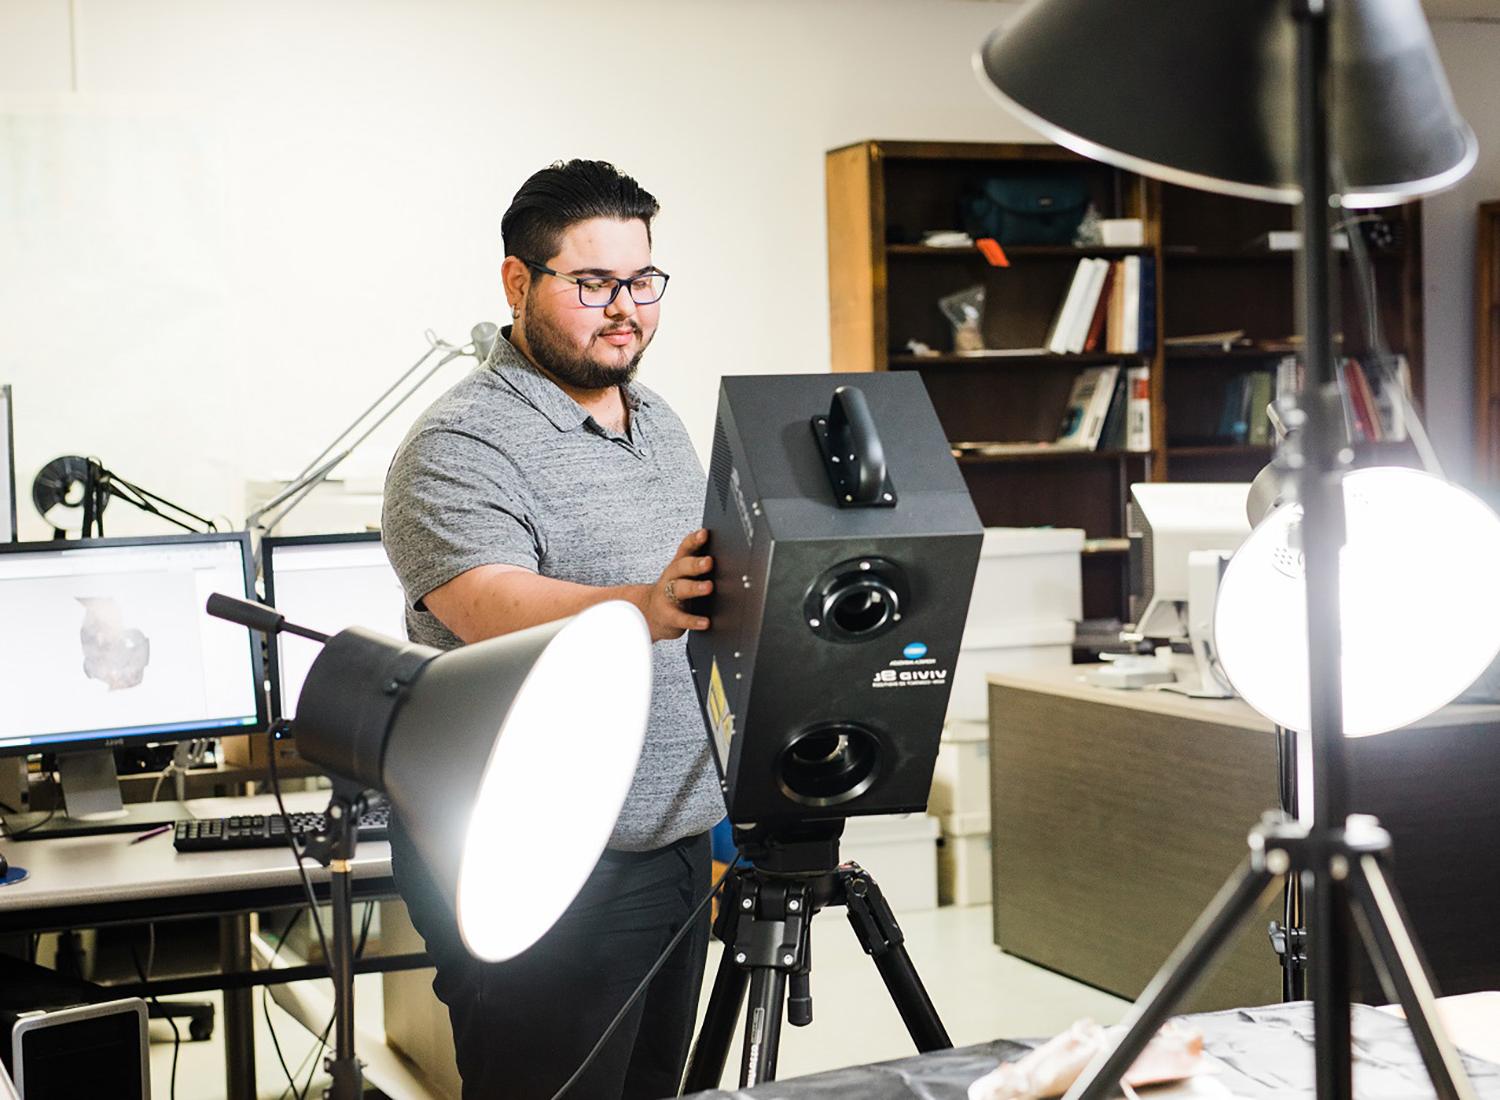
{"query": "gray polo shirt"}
[(507, 469)]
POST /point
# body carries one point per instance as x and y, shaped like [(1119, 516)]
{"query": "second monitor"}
[(327, 582)]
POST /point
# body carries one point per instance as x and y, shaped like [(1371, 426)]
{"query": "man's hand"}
[(662, 602)]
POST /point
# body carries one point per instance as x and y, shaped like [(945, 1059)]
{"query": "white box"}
[(1020, 648), (900, 852), (964, 863), (961, 776), (1027, 575), (1122, 232)]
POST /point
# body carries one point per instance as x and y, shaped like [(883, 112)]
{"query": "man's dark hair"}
[(564, 194)]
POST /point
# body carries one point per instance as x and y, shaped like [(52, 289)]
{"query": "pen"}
[(149, 833)]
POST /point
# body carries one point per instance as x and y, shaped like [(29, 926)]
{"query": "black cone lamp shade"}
[(1201, 93), (507, 760)]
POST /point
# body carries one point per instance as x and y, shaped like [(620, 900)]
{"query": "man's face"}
[(584, 346)]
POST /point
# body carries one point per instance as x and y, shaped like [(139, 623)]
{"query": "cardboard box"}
[(961, 776), (249, 750), (900, 852), (1017, 648)]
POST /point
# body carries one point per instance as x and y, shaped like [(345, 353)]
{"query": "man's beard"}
[(554, 354)]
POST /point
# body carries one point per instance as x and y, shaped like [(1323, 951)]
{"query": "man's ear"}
[(515, 279)]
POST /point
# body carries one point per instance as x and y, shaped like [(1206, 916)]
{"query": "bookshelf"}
[(884, 286)]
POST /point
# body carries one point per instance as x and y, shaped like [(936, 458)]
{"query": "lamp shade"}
[(507, 761), (1201, 93), (1419, 603)]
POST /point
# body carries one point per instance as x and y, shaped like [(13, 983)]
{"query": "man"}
[(545, 482)]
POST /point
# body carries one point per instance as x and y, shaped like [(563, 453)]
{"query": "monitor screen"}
[(1168, 521), (328, 583), (104, 641)]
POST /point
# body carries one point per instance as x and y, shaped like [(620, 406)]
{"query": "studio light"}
[(1419, 599), (506, 761)]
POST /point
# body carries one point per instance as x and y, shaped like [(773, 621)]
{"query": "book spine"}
[(1057, 340), (1099, 401), (1138, 409), (1093, 282), (1132, 305), (1098, 326), (1146, 332)]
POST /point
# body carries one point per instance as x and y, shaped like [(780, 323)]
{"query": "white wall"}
[(224, 226), (232, 235), (1470, 52)]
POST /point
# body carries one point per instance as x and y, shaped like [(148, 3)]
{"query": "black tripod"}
[(765, 916)]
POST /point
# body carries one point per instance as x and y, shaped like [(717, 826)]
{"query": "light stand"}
[(472, 747), (1205, 108)]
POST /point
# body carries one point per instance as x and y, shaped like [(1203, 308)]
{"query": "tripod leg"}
[(705, 1068), (1235, 901), (1382, 921), (762, 1026), (878, 933)]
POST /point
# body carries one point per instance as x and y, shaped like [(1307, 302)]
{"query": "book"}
[(1131, 307), (1261, 386), (1221, 341), (1145, 342), (1057, 335), (1112, 436), (1098, 327), (1138, 409), (1088, 405), (1361, 400), (1088, 301), (1114, 324)]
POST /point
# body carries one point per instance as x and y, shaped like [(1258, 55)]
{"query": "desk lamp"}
[(1275, 100), (507, 762)]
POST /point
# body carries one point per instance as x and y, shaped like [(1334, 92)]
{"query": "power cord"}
[(661, 960), (145, 976)]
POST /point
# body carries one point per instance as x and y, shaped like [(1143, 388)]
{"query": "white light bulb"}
[(1419, 595)]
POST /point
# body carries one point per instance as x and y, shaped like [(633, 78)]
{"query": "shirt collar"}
[(541, 392)]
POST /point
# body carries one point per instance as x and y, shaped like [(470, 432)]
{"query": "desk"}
[(103, 880), (1117, 815)]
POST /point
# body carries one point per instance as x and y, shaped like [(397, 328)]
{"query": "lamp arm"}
[(147, 501), (314, 474)]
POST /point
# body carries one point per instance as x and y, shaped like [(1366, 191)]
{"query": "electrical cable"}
[(145, 976), (281, 726), (640, 989), (265, 1000)]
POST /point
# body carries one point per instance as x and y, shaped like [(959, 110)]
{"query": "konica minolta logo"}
[(915, 651)]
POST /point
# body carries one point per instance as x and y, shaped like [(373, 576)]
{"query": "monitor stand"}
[(92, 804)]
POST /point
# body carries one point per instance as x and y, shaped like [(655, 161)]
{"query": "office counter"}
[(1117, 815)]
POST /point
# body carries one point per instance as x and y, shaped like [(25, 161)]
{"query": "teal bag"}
[(1030, 209)]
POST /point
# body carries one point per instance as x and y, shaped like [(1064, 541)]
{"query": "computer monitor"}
[(1168, 522), (104, 643), (327, 582), (7, 468)]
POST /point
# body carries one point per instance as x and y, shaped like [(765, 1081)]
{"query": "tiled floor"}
[(979, 992)]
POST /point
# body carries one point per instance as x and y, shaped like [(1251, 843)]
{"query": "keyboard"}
[(219, 834)]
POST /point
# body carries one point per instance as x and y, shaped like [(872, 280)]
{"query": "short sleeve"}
[(454, 502)]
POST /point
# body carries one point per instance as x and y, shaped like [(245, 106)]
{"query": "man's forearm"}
[(488, 602)]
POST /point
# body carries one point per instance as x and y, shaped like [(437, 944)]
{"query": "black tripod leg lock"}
[(869, 913)]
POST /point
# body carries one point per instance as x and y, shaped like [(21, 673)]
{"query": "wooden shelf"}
[(1252, 352), (1220, 450), (1188, 253), (948, 359), (1050, 454), (1021, 251)]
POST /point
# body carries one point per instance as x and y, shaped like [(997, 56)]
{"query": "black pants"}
[(521, 1027)]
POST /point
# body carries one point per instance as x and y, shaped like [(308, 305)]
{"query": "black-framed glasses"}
[(598, 291)]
